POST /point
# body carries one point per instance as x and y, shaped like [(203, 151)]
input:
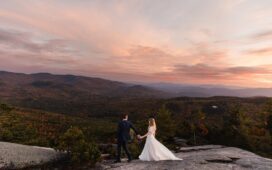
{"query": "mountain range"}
[(59, 92), (71, 93), (210, 90), (37, 85)]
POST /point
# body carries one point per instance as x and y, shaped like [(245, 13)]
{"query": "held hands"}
[(139, 137)]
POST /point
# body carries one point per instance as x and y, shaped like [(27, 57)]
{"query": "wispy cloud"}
[(261, 52), (264, 35), (22, 48), (245, 76), (212, 72), (24, 40)]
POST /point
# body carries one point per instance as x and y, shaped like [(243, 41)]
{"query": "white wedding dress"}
[(154, 150)]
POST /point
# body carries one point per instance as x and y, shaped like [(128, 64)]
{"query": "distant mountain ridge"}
[(54, 92), (70, 93), (210, 90), (34, 84)]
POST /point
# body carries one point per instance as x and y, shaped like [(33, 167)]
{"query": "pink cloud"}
[(260, 52), (242, 75)]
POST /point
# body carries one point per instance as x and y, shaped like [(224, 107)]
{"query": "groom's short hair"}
[(124, 115)]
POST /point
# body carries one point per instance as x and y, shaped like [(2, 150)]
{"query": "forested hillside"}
[(67, 93), (240, 122)]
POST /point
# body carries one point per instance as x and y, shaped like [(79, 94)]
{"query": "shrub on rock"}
[(79, 150)]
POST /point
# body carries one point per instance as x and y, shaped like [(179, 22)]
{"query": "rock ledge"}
[(16, 156), (206, 157)]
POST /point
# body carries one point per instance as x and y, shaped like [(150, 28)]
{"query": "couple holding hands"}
[(153, 149)]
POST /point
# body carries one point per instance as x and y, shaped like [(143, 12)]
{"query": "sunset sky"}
[(226, 42)]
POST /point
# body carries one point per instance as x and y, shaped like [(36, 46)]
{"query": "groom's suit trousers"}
[(122, 144)]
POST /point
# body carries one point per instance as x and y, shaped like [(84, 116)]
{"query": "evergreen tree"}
[(166, 125)]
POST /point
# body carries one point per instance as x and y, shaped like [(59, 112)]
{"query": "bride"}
[(153, 149)]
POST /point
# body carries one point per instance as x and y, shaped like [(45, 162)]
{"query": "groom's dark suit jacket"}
[(124, 127)]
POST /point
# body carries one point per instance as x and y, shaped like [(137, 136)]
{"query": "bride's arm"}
[(148, 133), (145, 135)]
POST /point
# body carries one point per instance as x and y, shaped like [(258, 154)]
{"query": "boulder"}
[(16, 156), (180, 142)]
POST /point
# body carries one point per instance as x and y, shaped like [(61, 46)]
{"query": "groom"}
[(123, 136)]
